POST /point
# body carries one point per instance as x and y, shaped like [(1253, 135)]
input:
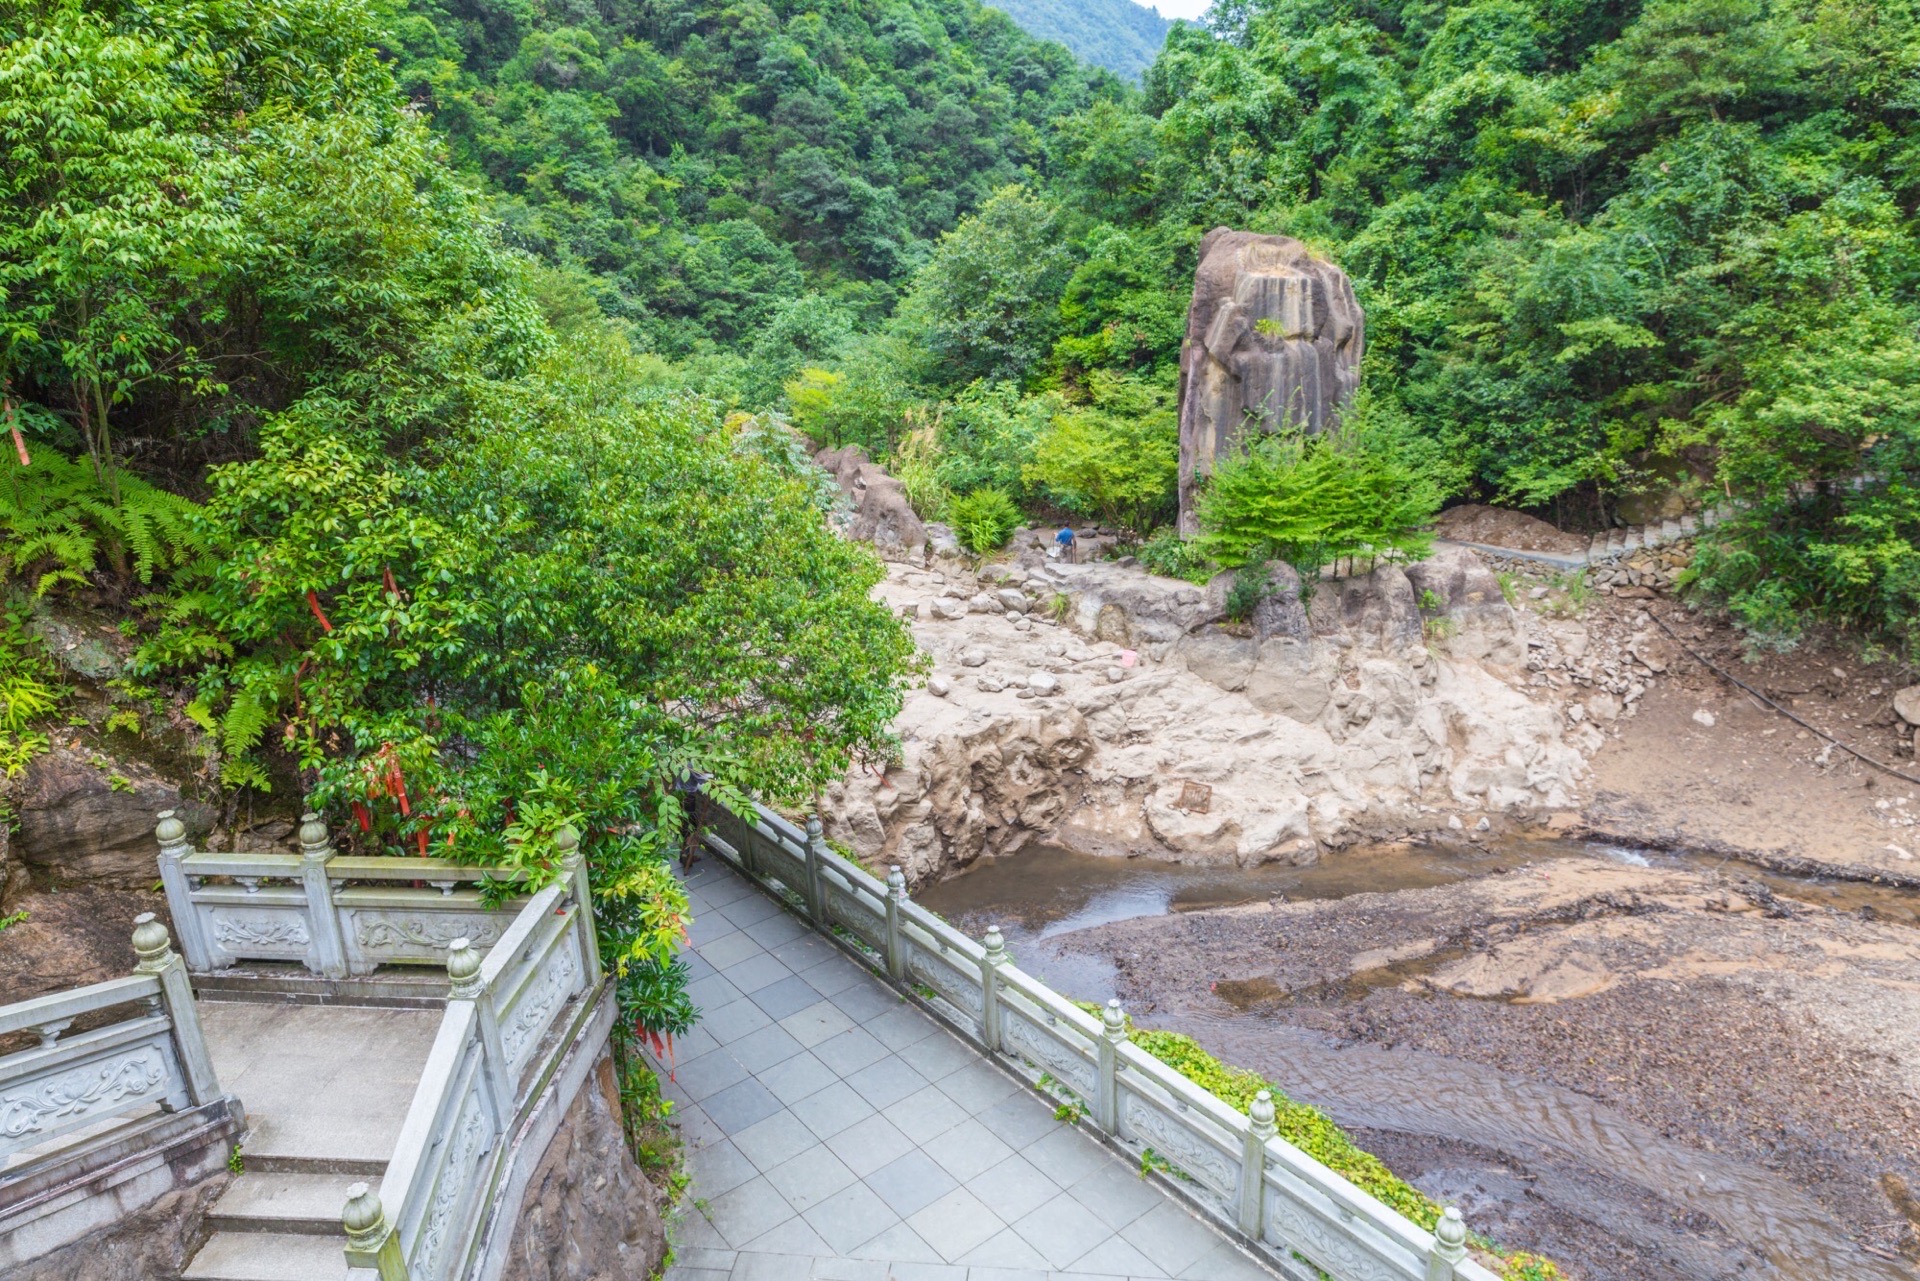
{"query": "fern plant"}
[(27, 694), (58, 521)]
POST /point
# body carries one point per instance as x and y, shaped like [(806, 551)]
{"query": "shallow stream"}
[(1573, 1146)]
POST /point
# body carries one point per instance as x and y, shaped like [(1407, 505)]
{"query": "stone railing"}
[(511, 1017), (337, 915), (154, 1055), (1229, 1165)]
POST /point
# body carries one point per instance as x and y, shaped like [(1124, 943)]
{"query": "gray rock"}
[(1043, 683), (81, 822), (973, 656), (986, 603), (1376, 609), (939, 686), (1013, 600), (881, 513), (1280, 611), (1274, 335), (1115, 675), (1906, 704), (950, 609)]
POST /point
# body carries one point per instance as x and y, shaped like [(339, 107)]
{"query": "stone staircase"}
[(326, 1088)]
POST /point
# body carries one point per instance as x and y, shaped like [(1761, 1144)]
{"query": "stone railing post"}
[(463, 972), (574, 864), (371, 1240), (1253, 1164), (1449, 1246), (154, 949), (172, 835), (896, 943), (1113, 1030), (323, 922), (990, 963), (816, 891)]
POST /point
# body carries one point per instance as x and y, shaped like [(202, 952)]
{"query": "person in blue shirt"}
[(1066, 541)]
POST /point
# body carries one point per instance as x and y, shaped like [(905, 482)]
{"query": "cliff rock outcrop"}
[(1274, 337), (881, 513)]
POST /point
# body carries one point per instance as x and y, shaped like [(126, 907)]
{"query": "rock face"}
[(589, 1214), (1307, 727), (1274, 337), (82, 823), (881, 513), (156, 1242)]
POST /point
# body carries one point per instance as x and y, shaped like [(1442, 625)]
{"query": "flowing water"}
[(1573, 1145)]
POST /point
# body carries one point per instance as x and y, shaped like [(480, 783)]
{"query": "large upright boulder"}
[(1274, 337), (881, 513)]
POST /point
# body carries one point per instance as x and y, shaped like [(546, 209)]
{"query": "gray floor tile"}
[(832, 1110), (766, 1048), (719, 1167), (1116, 1256), (679, 1273), (748, 910), (978, 1086), (774, 931), (754, 1266), (1014, 1187), (928, 1272), (1117, 1196), (728, 951), (977, 1273), (789, 996), (709, 1074), (1066, 1156), (885, 1082), (1062, 1230), (956, 1224), (897, 1029), (937, 1055), (712, 991), (1005, 1249), (899, 1245), (868, 999), (850, 1051), (1171, 1236), (1226, 1263), (1021, 1118), (869, 1145), (912, 1182), (811, 1177), (794, 1236), (805, 952), (797, 1077), (818, 1023), (697, 1257), (836, 975), (849, 1270), (756, 972), (851, 1217), (739, 1106), (748, 1211), (924, 1114), (729, 1023), (969, 1150), (774, 1141)]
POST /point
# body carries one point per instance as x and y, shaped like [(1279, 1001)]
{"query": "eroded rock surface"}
[(82, 821), (1123, 712), (1274, 336), (589, 1214), (881, 513), (154, 1243)]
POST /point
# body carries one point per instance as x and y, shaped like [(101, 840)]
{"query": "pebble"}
[(973, 656), (939, 686), (1704, 717), (1115, 675), (1043, 683)]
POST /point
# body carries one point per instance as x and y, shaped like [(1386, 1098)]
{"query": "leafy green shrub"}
[(916, 466), (986, 435), (1115, 459), (984, 520), (1168, 554), (1366, 488), (27, 693)]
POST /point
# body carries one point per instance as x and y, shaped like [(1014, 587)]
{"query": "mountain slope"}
[(1119, 35)]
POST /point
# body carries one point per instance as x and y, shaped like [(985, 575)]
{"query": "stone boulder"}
[(881, 513), (1274, 337), (1378, 610), (1470, 595), (82, 822)]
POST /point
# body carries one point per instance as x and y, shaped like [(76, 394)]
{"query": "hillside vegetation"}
[(1120, 35)]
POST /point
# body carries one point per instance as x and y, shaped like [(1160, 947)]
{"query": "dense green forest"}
[(415, 381), (1119, 35)]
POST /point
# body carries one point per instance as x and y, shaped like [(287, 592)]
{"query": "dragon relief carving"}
[(137, 1075)]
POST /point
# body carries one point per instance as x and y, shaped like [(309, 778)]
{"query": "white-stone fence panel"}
[(1230, 1165), (337, 915), (154, 1055)]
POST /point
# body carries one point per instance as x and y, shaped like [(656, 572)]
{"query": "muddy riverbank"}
[(1646, 1065)]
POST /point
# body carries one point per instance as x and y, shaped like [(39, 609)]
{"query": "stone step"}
[(266, 1202), (356, 1167), (268, 1256)]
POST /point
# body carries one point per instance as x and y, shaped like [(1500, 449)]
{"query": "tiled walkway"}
[(836, 1133)]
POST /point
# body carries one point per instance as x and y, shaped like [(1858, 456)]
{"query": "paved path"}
[(837, 1133)]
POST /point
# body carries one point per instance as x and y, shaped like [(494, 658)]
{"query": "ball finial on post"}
[(152, 945), (313, 835), (1113, 1020), (364, 1218), (996, 945), (463, 968), (566, 842), (170, 830)]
